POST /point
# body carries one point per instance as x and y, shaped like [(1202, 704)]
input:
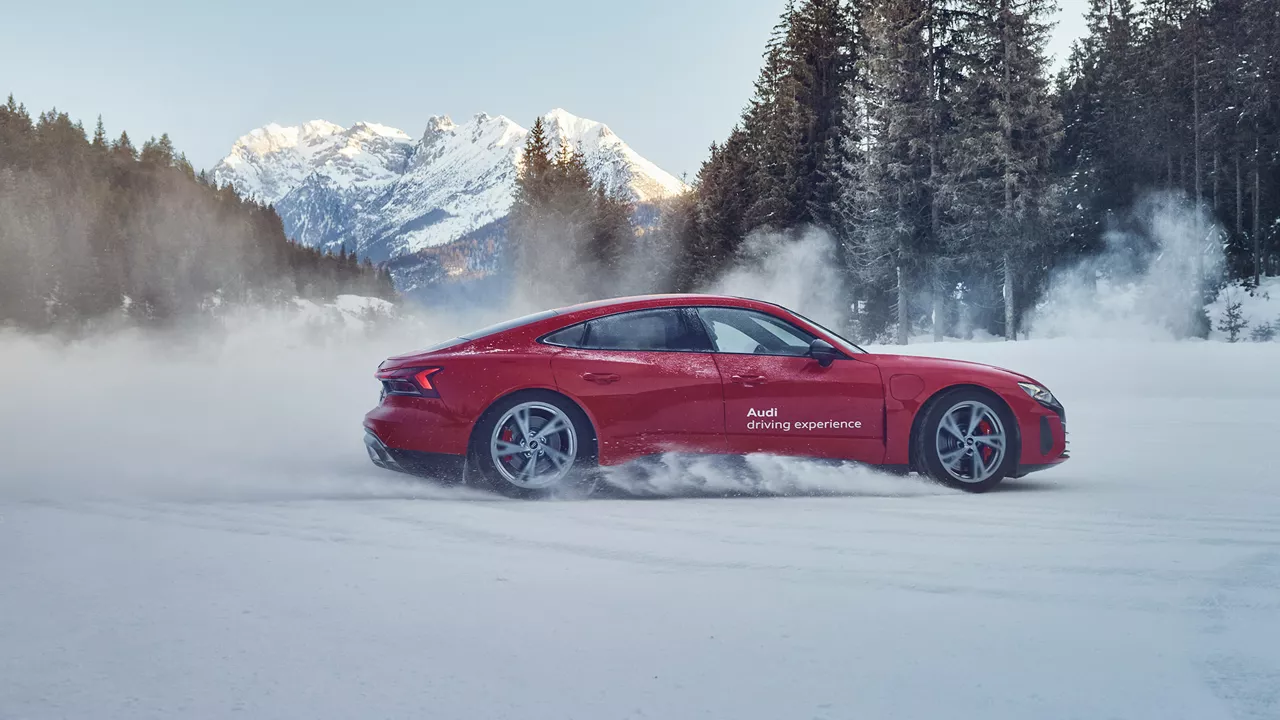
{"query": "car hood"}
[(961, 369)]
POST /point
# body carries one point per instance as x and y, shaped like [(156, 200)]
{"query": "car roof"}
[(537, 324), (638, 302)]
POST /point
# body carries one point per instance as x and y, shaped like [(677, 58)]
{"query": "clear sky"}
[(669, 76)]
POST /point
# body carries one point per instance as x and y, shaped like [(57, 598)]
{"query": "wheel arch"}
[(942, 392), (484, 414)]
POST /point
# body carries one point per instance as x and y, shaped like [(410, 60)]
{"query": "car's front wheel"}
[(532, 444), (965, 440)]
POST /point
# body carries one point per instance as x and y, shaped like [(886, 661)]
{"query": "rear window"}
[(508, 325)]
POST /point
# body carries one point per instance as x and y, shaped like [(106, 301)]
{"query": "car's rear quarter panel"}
[(470, 381)]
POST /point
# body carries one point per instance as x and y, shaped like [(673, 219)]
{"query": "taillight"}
[(423, 379), (409, 381)]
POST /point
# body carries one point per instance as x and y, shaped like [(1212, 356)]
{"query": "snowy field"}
[(193, 530)]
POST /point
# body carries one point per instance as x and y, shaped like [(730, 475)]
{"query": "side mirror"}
[(823, 352)]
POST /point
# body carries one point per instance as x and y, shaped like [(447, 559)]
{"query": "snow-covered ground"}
[(191, 529)]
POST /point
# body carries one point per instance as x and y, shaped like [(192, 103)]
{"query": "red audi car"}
[(535, 403)]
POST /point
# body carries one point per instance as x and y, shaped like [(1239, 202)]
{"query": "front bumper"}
[(1051, 442)]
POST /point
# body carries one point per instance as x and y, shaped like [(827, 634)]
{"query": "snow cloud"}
[(1148, 283), (261, 405), (798, 272), (679, 475)]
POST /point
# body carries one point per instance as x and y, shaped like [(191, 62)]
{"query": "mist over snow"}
[(257, 405), (795, 270)]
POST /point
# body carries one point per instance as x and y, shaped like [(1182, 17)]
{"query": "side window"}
[(747, 332), (568, 337), (669, 329)]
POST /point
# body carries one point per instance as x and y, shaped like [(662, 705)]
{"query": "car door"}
[(779, 400), (649, 380)]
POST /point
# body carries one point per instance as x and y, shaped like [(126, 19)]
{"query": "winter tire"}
[(533, 444), (967, 439)]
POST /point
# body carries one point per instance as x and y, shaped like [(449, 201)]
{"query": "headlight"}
[(1040, 394)]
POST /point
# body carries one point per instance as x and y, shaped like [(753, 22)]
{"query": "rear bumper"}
[(439, 466), (380, 454), (420, 424)]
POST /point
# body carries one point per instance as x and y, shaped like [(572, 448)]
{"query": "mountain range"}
[(376, 191)]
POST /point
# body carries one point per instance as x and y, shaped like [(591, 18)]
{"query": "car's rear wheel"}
[(966, 440), (533, 444)]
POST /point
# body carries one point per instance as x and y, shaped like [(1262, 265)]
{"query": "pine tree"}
[(570, 239), (610, 243), (1099, 99), (123, 147), (825, 51), (157, 152), (532, 192), (536, 163), (664, 264), (724, 190), (1233, 321), (1007, 130), (793, 121), (890, 200), (100, 136)]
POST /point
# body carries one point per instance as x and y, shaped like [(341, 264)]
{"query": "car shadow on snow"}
[(1022, 485), (676, 476)]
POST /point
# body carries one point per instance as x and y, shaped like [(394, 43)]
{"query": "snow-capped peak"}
[(562, 124), (274, 138), (369, 128), (373, 187), (270, 162), (611, 161), (437, 124)]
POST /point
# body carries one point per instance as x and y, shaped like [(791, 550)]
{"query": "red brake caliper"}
[(508, 436), (987, 451)]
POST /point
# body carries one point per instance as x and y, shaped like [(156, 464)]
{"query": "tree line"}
[(955, 172), (93, 229)]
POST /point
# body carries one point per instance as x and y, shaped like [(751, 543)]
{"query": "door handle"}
[(601, 378), (749, 380)]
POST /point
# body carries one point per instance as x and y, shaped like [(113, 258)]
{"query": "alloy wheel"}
[(971, 441), (534, 445)]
